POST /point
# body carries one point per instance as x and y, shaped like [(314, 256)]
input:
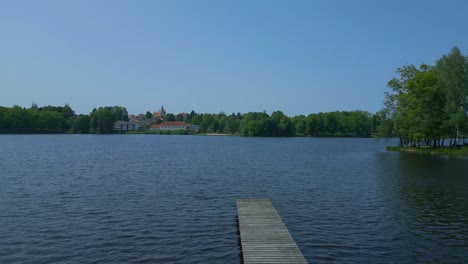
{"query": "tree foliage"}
[(34, 120), (102, 119), (452, 71), (148, 115), (339, 124), (427, 104)]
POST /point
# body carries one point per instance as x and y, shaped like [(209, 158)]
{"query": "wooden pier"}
[(264, 237)]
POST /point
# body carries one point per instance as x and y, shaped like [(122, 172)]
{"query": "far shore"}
[(218, 134)]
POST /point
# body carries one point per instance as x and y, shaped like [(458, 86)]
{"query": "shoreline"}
[(218, 134), (189, 133), (445, 151)]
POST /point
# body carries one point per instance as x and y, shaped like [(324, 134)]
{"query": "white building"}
[(173, 126), (126, 126)]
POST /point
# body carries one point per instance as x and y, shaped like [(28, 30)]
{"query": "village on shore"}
[(157, 121)]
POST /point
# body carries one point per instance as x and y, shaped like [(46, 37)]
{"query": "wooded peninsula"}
[(428, 105)]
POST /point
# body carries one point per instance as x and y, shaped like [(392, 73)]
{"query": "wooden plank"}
[(264, 237)]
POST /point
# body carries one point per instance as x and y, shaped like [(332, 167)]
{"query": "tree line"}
[(338, 124), (62, 119), (428, 104), (58, 119)]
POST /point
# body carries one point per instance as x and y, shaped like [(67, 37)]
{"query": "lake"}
[(172, 199)]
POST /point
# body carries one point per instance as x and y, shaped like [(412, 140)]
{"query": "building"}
[(147, 122), (173, 126), (194, 128), (126, 126), (161, 114)]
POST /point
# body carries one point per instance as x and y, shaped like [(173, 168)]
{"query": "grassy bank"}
[(175, 132), (446, 151), (161, 132)]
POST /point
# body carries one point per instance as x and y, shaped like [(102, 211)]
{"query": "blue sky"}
[(209, 56)]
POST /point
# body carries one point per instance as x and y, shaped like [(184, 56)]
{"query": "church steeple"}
[(162, 111)]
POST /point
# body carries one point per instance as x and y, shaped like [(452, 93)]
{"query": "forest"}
[(58, 119), (62, 119)]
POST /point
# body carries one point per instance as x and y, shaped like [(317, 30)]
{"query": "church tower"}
[(162, 111)]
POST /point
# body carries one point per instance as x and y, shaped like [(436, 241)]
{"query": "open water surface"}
[(171, 199)]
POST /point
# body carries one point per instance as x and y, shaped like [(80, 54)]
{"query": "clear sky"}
[(300, 57)]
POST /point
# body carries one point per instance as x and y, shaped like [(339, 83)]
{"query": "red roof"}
[(173, 123), (170, 123)]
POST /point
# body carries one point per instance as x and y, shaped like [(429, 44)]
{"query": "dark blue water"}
[(171, 199)]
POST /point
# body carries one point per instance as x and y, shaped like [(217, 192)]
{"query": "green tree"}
[(102, 120), (190, 116), (420, 107), (148, 115), (169, 117), (299, 124), (286, 127), (195, 120), (206, 123), (426, 108), (452, 70), (179, 117), (67, 112), (51, 122), (277, 116), (18, 120), (396, 102), (384, 124), (222, 123), (359, 124), (81, 124), (232, 124), (332, 123)]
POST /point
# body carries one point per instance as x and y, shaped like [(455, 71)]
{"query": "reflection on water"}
[(171, 199), (429, 200)]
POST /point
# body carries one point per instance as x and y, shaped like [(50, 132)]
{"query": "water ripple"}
[(159, 199)]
